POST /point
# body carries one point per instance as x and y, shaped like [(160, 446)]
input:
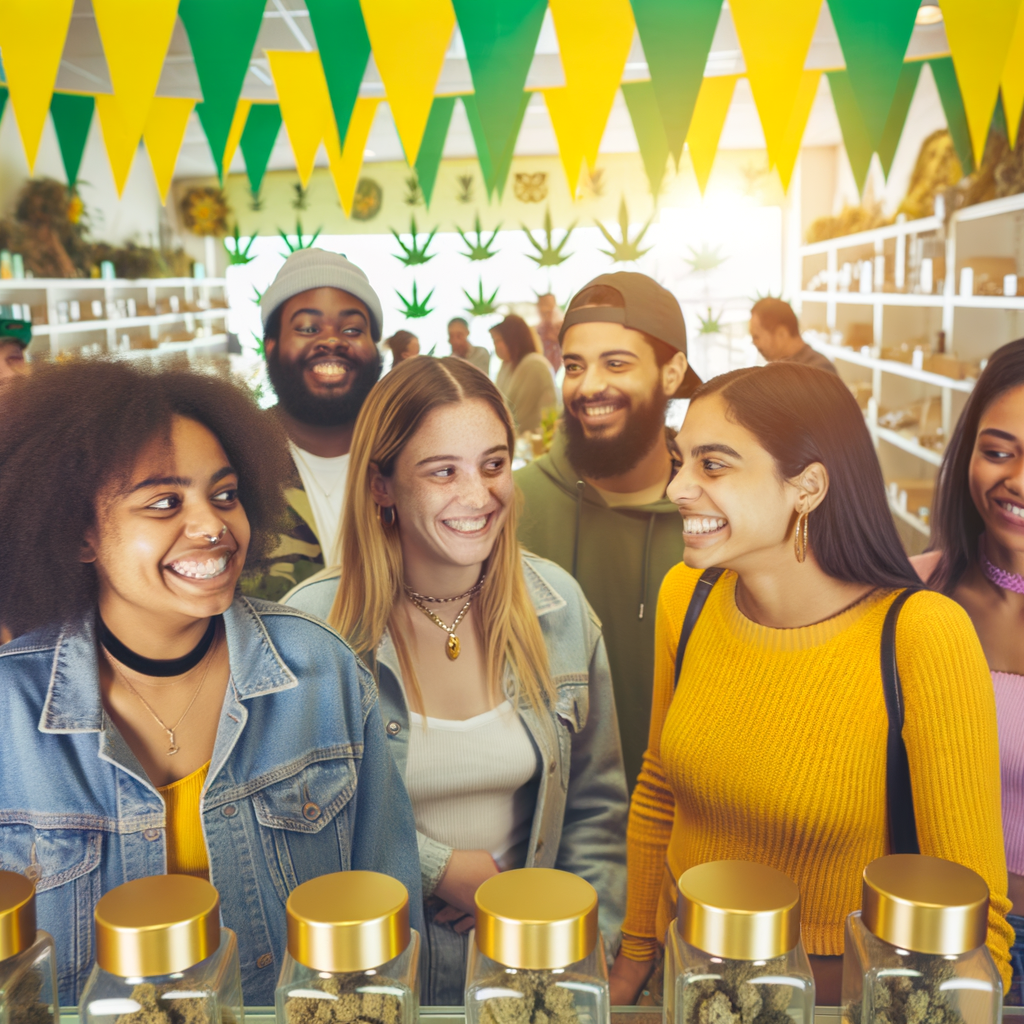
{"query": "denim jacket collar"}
[(73, 703)]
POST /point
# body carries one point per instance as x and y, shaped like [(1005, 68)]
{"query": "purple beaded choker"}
[(1000, 577)]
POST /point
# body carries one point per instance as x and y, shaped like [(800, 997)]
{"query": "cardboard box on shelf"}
[(903, 354), (859, 335), (913, 496), (945, 366)]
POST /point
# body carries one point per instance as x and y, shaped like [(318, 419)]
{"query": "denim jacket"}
[(579, 823), (301, 783)]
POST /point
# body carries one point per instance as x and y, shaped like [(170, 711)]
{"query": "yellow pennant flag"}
[(135, 38), (786, 154), (348, 162), (705, 129), (979, 35), (594, 39), (775, 36), (409, 40), (32, 34), (235, 133), (164, 132), (120, 141), (305, 106), (1013, 81)]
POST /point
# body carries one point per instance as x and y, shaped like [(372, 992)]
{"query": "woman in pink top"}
[(977, 558)]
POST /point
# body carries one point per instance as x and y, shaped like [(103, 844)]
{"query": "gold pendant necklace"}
[(452, 646)]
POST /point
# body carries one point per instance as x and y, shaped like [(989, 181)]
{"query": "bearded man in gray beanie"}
[(321, 322)]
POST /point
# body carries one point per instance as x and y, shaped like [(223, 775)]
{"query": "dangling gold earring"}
[(800, 537), (386, 515)]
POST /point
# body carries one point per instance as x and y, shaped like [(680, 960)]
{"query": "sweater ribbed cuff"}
[(634, 947), (434, 858)]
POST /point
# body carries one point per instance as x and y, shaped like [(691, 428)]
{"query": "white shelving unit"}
[(202, 311), (972, 326)]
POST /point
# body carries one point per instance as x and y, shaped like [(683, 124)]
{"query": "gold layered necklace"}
[(453, 646)]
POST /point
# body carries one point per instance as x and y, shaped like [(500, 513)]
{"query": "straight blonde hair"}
[(371, 553)]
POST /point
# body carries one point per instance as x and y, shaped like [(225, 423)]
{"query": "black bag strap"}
[(708, 578), (899, 794)]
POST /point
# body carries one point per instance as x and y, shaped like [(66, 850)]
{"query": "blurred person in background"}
[(458, 339), (548, 329), (15, 336), (775, 332), (525, 378), (403, 345)]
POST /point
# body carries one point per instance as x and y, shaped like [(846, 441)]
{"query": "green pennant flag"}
[(676, 36), (856, 140), (874, 35), (258, 138), (344, 52), (72, 117), (428, 160), (953, 107), (898, 114), (642, 102), (222, 34), (3, 97), (500, 37), (495, 173)]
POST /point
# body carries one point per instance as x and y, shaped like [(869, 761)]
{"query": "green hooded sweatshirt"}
[(619, 557)]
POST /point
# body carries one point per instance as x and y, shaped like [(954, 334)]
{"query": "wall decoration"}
[(204, 211), (414, 254), (237, 255), (72, 119), (367, 200), (937, 168), (301, 242), (624, 249), (301, 199), (531, 188), (481, 304), (413, 307), (413, 192), (465, 190), (258, 137), (480, 250), (549, 254)]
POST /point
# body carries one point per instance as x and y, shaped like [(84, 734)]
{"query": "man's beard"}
[(314, 410), (600, 457)]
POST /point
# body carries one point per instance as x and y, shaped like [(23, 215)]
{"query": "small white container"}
[(966, 282), (1010, 285), (926, 276)]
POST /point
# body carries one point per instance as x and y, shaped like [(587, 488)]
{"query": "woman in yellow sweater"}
[(772, 747)]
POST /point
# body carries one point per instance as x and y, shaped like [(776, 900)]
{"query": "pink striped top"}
[(1009, 689)]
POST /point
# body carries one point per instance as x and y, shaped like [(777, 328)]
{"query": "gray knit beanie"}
[(317, 268)]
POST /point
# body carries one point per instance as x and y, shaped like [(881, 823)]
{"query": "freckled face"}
[(997, 469)]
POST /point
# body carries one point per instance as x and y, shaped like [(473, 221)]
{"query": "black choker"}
[(152, 666)]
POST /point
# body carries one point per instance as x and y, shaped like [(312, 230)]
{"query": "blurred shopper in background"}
[(403, 345), (525, 378), (15, 337), (458, 339), (775, 332), (549, 328)]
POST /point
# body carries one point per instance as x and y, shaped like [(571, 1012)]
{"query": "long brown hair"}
[(371, 553), (518, 337)]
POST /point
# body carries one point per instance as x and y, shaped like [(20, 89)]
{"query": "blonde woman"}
[(493, 677)]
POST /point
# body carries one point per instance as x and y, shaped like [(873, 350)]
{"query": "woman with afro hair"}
[(154, 719)]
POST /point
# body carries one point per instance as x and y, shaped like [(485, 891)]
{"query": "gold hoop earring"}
[(386, 516), (800, 537)]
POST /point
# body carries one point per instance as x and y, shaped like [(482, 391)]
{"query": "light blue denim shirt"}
[(579, 823), (301, 783)]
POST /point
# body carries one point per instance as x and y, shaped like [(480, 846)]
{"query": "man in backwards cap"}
[(596, 504), (15, 336)]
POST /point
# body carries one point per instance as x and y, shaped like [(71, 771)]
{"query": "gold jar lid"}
[(925, 904), (348, 921), (17, 914), (739, 910), (157, 925), (536, 918)]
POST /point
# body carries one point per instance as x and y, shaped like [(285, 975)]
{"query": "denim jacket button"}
[(152, 834), (229, 810), (265, 961), (394, 728), (551, 767), (310, 811)]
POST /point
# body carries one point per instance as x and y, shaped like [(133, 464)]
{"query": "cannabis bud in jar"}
[(529, 997), (28, 971)]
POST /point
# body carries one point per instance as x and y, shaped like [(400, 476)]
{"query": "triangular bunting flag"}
[(775, 36), (409, 39), (135, 38), (120, 141), (786, 155), (238, 123), (705, 129), (72, 118), (495, 174), (344, 52), (874, 35), (222, 34), (898, 114), (979, 37), (856, 140), (3, 100), (432, 146), (642, 102), (258, 138), (953, 106), (676, 36), (346, 165), (594, 39), (164, 132), (305, 106), (500, 37), (32, 34), (1013, 81)]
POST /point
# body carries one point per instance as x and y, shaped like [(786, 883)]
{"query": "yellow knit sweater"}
[(773, 749), (186, 848)]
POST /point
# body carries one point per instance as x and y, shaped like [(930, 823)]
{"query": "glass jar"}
[(162, 956), (733, 954), (28, 968), (536, 956), (916, 950), (351, 953)]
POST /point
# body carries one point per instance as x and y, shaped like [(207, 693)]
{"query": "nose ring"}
[(213, 540)]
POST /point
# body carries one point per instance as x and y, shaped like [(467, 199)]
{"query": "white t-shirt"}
[(324, 481)]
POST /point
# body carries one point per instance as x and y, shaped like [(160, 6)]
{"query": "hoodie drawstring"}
[(647, 563), (580, 485)]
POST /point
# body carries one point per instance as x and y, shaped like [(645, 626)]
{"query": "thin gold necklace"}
[(173, 747), (453, 647)]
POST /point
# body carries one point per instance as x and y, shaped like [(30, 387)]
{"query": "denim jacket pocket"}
[(572, 705), (304, 822)]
